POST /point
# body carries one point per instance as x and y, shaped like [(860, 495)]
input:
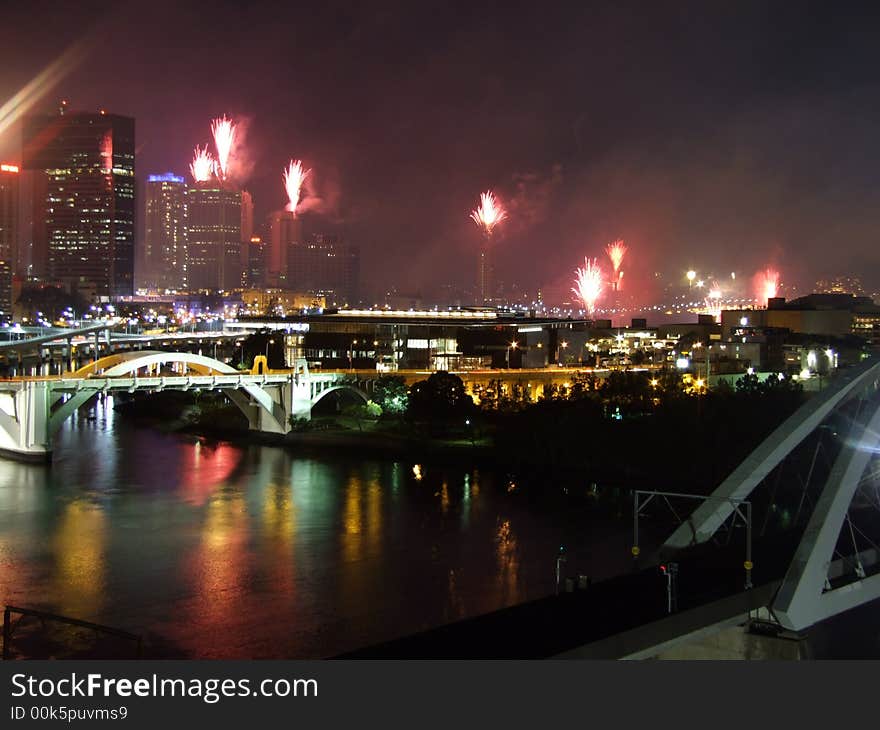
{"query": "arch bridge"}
[(32, 409)]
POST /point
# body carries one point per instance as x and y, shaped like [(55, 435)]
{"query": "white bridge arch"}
[(32, 409), (816, 585), (336, 388), (194, 368)]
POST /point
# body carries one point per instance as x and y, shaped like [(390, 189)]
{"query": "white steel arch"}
[(357, 391), (805, 596), (122, 364), (710, 515), (126, 363)]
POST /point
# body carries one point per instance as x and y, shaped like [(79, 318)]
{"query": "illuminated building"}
[(817, 314), (256, 262), (5, 291), (247, 234), (213, 237), (324, 265), (247, 215), (840, 285), (278, 302), (83, 198), (285, 230), (9, 196), (165, 231)]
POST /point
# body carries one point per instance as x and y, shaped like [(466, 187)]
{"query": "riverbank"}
[(214, 418), (578, 441)]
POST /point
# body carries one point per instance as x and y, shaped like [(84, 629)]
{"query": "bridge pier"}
[(272, 414), (276, 420), (25, 410)]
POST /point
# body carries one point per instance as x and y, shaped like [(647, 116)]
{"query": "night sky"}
[(710, 135)]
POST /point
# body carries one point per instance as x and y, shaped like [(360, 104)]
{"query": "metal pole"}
[(748, 563), (635, 546), (559, 561), (668, 571), (708, 345)]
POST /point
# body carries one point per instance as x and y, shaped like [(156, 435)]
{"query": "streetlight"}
[(269, 342), (691, 275), (563, 345), (698, 345), (513, 346), (351, 356)]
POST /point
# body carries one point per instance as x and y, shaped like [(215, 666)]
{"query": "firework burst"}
[(202, 164), (713, 301), (489, 214), (616, 251), (294, 177), (588, 284), (766, 285), (224, 138)]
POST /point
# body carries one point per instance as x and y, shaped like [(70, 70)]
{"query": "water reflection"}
[(218, 567), (245, 551), (79, 552), (508, 562), (205, 466)]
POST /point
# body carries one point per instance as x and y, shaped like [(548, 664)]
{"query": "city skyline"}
[(604, 155)]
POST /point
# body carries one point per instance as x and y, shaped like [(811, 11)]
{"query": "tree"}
[(391, 393), (441, 397), (628, 391), (638, 357), (362, 411)]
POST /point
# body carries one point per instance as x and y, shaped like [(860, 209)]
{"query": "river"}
[(218, 550)]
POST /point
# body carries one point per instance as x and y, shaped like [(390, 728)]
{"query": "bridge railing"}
[(45, 618)]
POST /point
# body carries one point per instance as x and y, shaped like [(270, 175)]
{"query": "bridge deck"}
[(98, 382)]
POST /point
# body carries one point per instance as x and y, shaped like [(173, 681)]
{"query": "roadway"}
[(59, 335)]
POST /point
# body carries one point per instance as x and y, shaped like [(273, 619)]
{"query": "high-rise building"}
[(247, 233), (256, 263), (84, 199), (325, 266), (213, 237), (33, 242), (285, 229), (247, 215), (9, 200), (5, 291), (165, 231)]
